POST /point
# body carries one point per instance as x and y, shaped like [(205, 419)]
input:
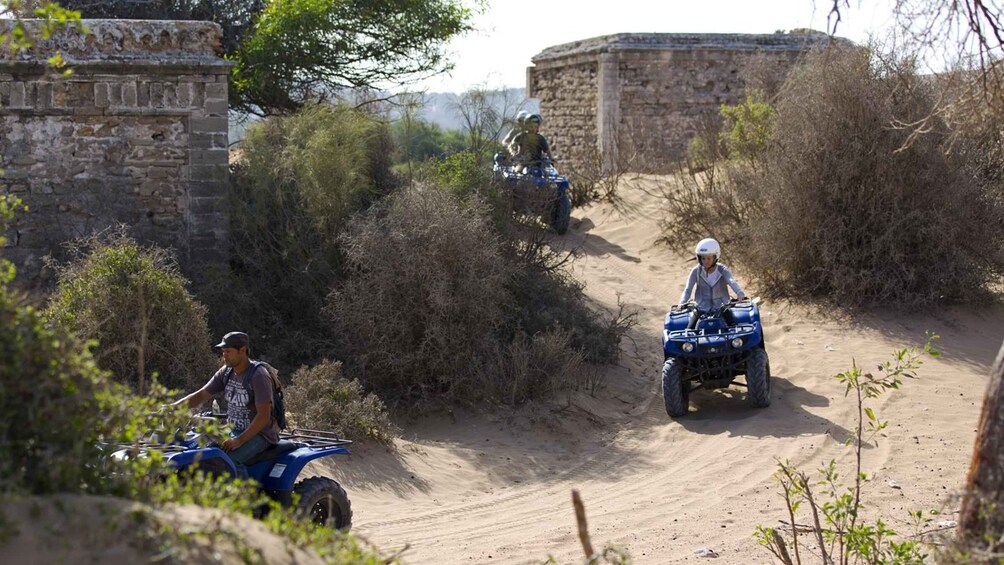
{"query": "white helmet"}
[(708, 246), (521, 116)]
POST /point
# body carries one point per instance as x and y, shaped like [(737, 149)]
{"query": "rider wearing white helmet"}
[(710, 280)]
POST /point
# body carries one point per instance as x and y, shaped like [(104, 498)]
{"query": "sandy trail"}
[(497, 490)]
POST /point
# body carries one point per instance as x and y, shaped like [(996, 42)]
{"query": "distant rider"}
[(709, 280), (517, 129), (530, 147)]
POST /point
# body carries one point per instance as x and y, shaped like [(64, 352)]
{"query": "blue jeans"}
[(244, 453)]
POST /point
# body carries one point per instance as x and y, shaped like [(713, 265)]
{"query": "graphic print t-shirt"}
[(240, 406)]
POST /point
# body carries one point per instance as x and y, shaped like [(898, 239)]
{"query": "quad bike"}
[(547, 187), (712, 351), (276, 470)]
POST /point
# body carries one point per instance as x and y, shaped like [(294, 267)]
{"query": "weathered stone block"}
[(17, 95), (101, 95), (216, 90), (210, 157), (216, 107), (209, 123), (213, 173)]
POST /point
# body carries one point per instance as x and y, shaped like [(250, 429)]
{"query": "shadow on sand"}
[(525, 454), (726, 411), (374, 466), (595, 245)]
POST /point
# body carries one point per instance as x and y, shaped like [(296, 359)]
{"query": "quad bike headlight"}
[(687, 347), (737, 342)]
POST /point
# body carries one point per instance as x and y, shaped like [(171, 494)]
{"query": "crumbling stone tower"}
[(636, 100), (137, 135)]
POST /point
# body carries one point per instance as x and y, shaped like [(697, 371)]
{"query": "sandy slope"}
[(475, 490)]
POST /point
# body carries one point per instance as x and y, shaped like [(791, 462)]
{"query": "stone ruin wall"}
[(571, 109), (648, 95), (137, 135)]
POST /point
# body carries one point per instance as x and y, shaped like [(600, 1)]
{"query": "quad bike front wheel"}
[(561, 214), (324, 502), (758, 379), (675, 392)]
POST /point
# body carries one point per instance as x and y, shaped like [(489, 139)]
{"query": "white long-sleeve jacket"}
[(711, 290)]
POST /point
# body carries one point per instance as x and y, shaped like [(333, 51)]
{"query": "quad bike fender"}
[(280, 475), (205, 456)]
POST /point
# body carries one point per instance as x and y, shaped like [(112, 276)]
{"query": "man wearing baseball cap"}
[(248, 389)]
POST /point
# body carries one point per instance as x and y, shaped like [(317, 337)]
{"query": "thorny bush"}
[(321, 398), (450, 302), (838, 206)]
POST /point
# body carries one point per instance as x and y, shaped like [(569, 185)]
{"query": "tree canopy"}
[(289, 52)]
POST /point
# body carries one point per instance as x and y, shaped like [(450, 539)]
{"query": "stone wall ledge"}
[(81, 68), (92, 111), (685, 41), (122, 40)]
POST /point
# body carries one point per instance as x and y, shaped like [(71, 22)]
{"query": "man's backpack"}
[(278, 401)]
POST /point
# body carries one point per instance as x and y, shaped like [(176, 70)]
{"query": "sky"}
[(510, 32)]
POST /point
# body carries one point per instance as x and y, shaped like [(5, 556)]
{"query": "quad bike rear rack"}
[(313, 438)]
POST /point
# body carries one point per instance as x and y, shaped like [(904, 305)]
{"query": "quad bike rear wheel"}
[(675, 392), (758, 379), (324, 502)]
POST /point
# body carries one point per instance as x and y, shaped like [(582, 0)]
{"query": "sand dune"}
[(497, 490)]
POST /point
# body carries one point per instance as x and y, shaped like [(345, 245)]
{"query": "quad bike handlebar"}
[(691, 305)]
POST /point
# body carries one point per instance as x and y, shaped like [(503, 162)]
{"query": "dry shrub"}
[(424, 296), (299, 180), (451, 303), (532, 368), (838, 207), (545, 296), (321, 398), (133, 302), (591, 179)]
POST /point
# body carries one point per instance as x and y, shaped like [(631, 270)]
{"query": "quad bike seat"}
[(272, 452)]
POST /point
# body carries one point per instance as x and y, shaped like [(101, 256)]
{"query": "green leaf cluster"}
[(747, 127), (301, 50)]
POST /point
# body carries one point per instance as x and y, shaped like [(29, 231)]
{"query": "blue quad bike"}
[(276, 470), (547, 189), (720, 346)]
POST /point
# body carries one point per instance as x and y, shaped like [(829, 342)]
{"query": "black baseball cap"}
[(236, 340)]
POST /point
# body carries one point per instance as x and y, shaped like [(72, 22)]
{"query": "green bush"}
[(461, 173), (296, 184), (746, 128), (55, 400), (420, 140), (321, 398), (132, 301)]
